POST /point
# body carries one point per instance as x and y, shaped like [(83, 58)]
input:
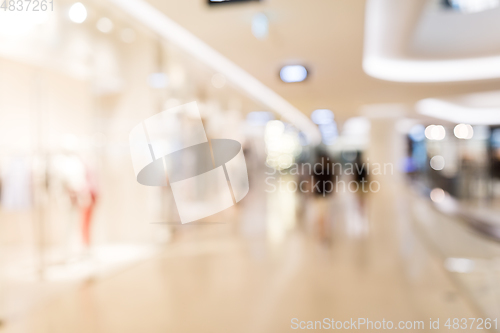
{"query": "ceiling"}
[(445, 34), (424, 41), (324, 35)]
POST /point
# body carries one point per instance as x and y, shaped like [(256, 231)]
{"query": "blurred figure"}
[(78, 182), (322, 188), (361, 178)]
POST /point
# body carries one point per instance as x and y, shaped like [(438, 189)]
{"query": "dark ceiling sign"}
[(221, 2)]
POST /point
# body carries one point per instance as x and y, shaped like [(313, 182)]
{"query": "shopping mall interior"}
[(249, 165)]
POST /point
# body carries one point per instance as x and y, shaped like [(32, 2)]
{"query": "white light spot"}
[(435, 132), (260, 26), (459, 265), (218, 80), (438, 195), (259, 118), (78, 13), (105, 25), (158, 80), (437, 162), (474, 6), (294, 73), (322, 116), (274, 128), (464, 131)]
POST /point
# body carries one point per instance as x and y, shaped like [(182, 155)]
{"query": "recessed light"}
[(260, 26), (322, 116), (293, 73), (105, 25), (259, 118), (438, 195), (437, 162), (435, 132), (78, 13), (158, 80), (463, 131)]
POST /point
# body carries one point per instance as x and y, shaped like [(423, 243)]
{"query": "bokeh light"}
[(78, 13)]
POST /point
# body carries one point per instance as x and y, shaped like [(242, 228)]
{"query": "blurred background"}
[(371, 134)]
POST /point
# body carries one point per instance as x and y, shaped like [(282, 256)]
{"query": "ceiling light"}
[(293, 73), (445, 110), (459, 265), (104, 25), (158, 80), (464, 131), (384, 55), (428, 131), (473, 6), (259, 118), (78, 13), (322, 116), (260, 26), (274, 128), (438, 195), (437, 163), (435, 132)]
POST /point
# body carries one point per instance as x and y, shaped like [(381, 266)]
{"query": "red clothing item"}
[(87, 219)]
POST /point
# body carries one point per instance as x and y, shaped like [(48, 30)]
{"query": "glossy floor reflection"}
[(219, 279)]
